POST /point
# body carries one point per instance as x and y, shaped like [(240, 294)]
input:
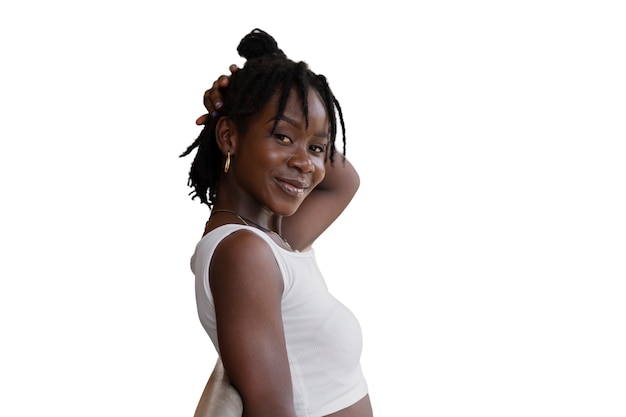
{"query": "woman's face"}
[(279, 169)]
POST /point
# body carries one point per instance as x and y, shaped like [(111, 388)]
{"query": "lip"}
[(293, 187)]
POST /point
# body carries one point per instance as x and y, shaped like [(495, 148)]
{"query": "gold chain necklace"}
[(249, 222)]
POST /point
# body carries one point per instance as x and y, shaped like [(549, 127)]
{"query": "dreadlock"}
[(267, 71)]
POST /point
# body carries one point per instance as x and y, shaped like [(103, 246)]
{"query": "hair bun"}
[(257, 44)]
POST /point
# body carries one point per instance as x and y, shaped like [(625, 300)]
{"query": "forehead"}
[(316, 109)]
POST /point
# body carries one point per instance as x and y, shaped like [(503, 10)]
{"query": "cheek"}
[(320, 171)]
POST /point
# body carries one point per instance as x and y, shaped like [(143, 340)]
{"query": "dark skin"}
[(282, 181)]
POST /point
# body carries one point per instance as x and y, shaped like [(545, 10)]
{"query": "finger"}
[(213, 98), (223, 81), (202, 119), (209, 97), (214, 95)]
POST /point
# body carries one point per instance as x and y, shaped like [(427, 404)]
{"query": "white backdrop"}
[(484, 254)]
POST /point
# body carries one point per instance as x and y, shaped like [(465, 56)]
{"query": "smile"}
[(293, 188)]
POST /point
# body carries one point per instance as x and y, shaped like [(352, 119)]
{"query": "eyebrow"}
[(296, 124)]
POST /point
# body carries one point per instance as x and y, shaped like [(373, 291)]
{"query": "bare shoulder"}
[(243, 259)]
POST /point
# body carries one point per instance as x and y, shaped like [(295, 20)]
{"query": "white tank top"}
[(323, 337)]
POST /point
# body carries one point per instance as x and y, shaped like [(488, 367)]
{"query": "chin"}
[(285, 213), (287, 210)]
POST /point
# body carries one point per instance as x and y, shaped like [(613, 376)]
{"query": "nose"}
[(301, 160)]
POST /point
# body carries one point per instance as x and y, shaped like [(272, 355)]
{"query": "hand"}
[(213, 99)]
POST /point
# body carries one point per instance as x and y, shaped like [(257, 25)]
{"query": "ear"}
[(226, 135)]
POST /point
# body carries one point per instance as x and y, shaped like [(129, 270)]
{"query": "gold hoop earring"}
[(227, 164)]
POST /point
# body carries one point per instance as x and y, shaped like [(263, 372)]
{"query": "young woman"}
[(266, 166)]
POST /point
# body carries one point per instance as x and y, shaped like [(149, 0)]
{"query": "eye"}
[(283, 138), (318, 148)]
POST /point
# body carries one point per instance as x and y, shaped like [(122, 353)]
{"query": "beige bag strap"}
[(220, 398)]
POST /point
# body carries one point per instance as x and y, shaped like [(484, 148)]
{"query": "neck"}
[(274, 229)]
